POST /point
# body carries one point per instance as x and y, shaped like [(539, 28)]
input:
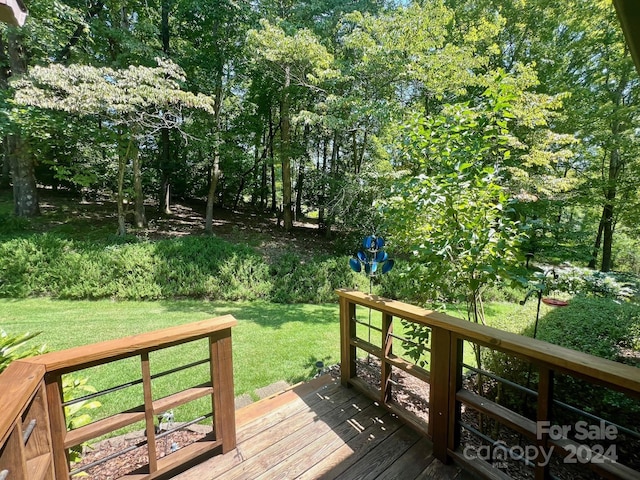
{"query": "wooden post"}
[(148, 412), (545, 404), (441, 376), (224, 416), (455, 384), (347, 351), (58, 425), (387, 349)]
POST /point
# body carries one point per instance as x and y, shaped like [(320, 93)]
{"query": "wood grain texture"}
[(82, 357), (616, 375), (223, 401), (18, 384), (330, 433)]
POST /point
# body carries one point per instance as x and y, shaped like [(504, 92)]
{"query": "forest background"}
[(470, 132)]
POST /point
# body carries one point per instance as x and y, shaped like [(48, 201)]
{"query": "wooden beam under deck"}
[(322, 430)]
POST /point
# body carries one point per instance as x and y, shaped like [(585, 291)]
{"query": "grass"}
[(271, 342)]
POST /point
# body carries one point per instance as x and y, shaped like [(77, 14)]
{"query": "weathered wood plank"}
[(410, 465), (350, 452), (276, 445), (222, 379), (257, 410), (377, 460), (439, 471), (293, 407), (18, 384), (330, 433), (323, 446)]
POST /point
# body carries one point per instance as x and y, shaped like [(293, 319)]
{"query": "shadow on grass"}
[(263, 313)]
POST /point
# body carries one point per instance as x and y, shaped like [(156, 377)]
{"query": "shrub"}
[(588, 282), (198, 267), (312, 280), (597, 326), (11, 224), (12, 347)]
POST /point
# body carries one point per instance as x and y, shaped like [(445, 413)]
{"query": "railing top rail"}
[(621, 376), (18, 383), (89, 355)]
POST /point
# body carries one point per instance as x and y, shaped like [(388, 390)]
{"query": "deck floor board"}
[(320, 430)]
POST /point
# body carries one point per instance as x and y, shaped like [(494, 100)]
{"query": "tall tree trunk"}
[(335, 156), (263, 181), (5, 177), (285, 152), (165, 138), (608, 210), (299, 187), (141, 218), (598, 242), (323, 186), (122, 163), (215, 171), (300, 181), (25, 192), (274, 201)]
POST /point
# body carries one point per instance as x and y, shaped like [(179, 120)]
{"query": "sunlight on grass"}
[(272, 342)]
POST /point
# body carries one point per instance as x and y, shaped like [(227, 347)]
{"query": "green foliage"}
[(589, 282), (595, 325), (12, 347), (78, 414), (450, 214), (311, 280), (10, 224), (199, 267), (598, 326), (626, 253)]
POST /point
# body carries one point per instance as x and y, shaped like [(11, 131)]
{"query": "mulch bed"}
[(135, 458)]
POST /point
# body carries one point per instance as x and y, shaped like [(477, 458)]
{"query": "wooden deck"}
[(322, 430)]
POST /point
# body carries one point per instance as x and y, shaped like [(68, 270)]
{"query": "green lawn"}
[(272, 342)]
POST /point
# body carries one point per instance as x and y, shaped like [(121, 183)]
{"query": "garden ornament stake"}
[(373, 261)]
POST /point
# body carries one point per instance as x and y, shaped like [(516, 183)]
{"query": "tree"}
[(295, 62), (448, 208), (135, 103)]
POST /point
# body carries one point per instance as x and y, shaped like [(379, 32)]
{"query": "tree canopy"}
[(470, 131)]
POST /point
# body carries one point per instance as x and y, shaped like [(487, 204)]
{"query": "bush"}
[(195, 267), (312, 280), (589, 282), (10, 224), (597, 326)]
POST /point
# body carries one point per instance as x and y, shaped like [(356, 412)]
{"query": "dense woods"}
[(459, 128)]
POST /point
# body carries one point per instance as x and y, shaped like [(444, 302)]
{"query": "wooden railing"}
[(35, 441), (453, 396)]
